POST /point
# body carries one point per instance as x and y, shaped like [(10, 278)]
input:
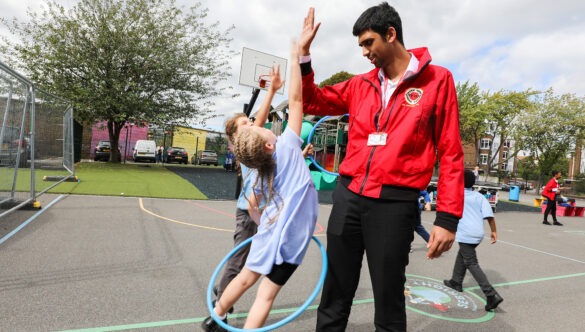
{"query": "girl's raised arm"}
[(295, 95), (275, 83)]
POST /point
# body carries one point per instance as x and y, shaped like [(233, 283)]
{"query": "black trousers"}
[(551, 207), (383, 229)]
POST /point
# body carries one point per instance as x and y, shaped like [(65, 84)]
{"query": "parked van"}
[(144, 150)]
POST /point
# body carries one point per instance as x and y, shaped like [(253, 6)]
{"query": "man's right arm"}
[(308, 33)]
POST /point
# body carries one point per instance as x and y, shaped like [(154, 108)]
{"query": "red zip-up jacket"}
[(421, 121), (548, 191)]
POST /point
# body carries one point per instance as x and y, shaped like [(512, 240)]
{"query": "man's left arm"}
[(450, 155)]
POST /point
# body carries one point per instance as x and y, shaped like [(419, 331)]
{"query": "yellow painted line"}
[(319, 230), (181, 222)]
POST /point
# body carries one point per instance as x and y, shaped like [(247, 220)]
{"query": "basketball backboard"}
[(255, 65)]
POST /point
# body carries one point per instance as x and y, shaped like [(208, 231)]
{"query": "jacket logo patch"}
[(413, 95)]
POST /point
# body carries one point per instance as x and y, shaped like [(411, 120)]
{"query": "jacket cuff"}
[(447, 221), (306, 68)]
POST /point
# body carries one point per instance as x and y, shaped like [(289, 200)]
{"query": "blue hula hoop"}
[(310, 138), (285, 320)]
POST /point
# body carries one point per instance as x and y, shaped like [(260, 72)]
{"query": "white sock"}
[(222, 317)]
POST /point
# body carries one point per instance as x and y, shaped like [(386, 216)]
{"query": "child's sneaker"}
[(210, 325)]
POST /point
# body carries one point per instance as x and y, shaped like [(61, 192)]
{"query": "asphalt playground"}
[(96, 263)]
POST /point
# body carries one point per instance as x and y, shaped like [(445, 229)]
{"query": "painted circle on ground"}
[(285, 320), (430, 297)]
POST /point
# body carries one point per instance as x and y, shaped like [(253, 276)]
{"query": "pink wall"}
[(99, 132)]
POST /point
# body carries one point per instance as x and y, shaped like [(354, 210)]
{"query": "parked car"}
[(523, 185), (144, 150), (11, 146), (177, 154), (102, 151), (205, 157), (505, 187)]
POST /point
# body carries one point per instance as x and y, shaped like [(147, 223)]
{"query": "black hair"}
[(469, 179), (379, 18), (555, 172)]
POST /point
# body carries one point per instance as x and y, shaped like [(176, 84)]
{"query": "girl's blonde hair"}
[(231, 126), (249, 147)]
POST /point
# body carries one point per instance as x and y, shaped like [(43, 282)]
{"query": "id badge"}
[(375, 139)]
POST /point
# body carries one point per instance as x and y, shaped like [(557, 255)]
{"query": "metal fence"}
[(36, 141)]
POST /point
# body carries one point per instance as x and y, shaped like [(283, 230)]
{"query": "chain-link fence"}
[(36, 141)]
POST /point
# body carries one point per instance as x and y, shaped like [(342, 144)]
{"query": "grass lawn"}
[(23, 178), (136, 180)]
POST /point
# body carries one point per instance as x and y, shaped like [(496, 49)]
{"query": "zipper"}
[(380, 111), (369, 162)]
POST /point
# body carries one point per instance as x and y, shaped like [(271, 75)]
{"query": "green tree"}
[(139, 61), (336, 78), (472, 117), (548, 130), (502, 110)]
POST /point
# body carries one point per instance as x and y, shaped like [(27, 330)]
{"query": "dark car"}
[(12, 146), (177, 154), (102, 151)]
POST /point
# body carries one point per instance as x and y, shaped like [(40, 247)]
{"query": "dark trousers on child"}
[(467, 260), (245, 229)]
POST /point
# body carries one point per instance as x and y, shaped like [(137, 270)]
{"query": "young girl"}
[(288, 219)]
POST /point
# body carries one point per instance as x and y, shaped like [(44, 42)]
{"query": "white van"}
[(144, 150)]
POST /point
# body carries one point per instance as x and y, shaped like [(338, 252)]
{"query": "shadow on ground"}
[(218, 184)]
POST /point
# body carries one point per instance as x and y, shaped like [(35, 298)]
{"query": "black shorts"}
[(281, 273)]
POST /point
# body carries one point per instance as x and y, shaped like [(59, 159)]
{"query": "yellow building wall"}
[(190, 139)]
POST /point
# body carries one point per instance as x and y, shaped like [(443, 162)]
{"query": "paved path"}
[(111, 263)]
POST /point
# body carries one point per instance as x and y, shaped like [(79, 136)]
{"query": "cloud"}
[(510, 45)]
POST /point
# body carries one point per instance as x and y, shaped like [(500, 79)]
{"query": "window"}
[(486, 143), (505, 155), (483, 159), (507, 143), (492, 126), (504, 166)]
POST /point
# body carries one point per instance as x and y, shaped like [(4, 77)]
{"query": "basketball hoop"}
[(263, 81)]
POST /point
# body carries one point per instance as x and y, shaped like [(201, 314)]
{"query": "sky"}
[(498, 44)]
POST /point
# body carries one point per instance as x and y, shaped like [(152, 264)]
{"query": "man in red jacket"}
[(402, 115), (550, 191)]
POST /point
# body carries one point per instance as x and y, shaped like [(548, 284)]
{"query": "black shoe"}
[(546, 222), (453, 284), (209, 325), (493, 302), (557, 223)]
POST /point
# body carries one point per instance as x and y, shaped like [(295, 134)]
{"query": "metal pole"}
[(196, 149), (125, 144), (255, 93), (164, 146), (131, 126)]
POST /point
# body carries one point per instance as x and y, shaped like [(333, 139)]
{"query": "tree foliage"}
[(550, 128), (545, 128), (472, 117), (336, 78), (139, 61), (502, 110)]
